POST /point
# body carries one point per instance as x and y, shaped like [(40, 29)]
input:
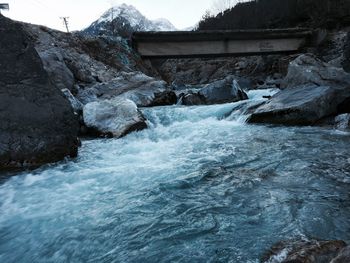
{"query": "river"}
[(199, 185)]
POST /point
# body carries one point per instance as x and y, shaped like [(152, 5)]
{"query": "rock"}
[(136, 86), (38, 125), (313, 90), (301, 105), (59, 74), (223, 91), (343, 256), (301, 251), (193, 99), (167, 97), (75, 103), (306, 69), (342, 122), (116, 117)]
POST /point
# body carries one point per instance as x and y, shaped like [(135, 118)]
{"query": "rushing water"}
[(198, 186)]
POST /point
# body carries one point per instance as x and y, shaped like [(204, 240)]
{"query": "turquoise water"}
[(199, 185)]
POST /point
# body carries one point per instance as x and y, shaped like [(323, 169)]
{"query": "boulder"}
[(38, 125), (116, 117), (342, 122), (307, 69), (136, 86), (167, 97), (301, 105), (304, 251), (223, 91), (193, 99), (312, 90)]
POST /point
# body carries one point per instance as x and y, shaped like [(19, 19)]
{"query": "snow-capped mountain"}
[(123, 20)]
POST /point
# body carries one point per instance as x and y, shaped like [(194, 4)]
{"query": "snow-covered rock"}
[(116, 117), (125, 19)]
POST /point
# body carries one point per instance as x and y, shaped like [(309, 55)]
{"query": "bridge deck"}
[(180, 44)]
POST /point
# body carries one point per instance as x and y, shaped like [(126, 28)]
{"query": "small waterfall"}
[(236, 111)]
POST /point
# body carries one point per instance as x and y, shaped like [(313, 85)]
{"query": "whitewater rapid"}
[(199, 185)]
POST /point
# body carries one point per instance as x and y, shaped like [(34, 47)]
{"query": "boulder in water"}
[(302, 105), (223, 91), (167, 97), (116, 117), (313, 90), (38, 125), (193, 99)]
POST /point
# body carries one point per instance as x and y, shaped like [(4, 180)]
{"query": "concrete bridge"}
[(187, 44)]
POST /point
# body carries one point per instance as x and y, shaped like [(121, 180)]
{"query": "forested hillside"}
[(281, 14)]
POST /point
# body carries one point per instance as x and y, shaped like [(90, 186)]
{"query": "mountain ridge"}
[(125, 19)]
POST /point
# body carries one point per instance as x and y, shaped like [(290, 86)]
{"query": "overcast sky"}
[(81, 13)]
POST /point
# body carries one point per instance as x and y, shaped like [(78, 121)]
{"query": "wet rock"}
[(313, 90), (223, 91), (167, 97), (301, 105), (136, 86), (116, 117), (193, 99), (343, 256), (307, 69), (301, 251), (38, 125), (342, 122)]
